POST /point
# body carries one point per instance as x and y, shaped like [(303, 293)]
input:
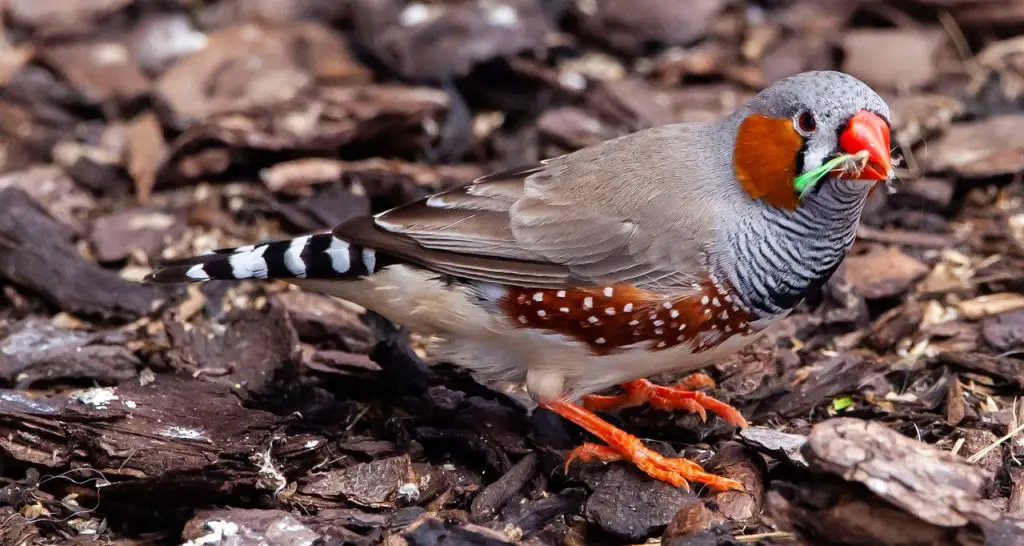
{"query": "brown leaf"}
[(909, 56), (146, 153), (989, 147), (101, 71), (883, 274), (374, 484)]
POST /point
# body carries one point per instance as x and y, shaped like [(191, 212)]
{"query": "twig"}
[(978, 456), (782, 535)]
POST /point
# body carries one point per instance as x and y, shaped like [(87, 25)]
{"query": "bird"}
[(662, 250)]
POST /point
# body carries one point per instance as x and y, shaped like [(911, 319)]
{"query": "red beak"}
[(868, 132)]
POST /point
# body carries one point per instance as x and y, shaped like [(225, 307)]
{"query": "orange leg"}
[(623, 446), (678, 397)]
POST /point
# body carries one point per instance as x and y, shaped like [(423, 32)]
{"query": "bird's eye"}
[(805, 123)]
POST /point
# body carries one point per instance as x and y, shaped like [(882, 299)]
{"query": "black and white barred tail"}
[(319, 256)]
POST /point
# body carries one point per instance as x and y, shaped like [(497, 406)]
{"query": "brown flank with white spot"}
[(608, 318)]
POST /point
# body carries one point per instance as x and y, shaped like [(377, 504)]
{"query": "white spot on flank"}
[(661, 344), (197, 273), (538, 296), (680, 337), (674, 314), (634, 322), (588, 302), (627, 308), (522, 319), (608, 291), (727, 298), (728, 328), (724, 315), (560, 293), (716, 303), (658, 331), (369, 259), (293, 256), (609, 311), (599, 341), (704, 300), (541, 313), (338, 251), (592, 319), (667, 305), (659, 322), (563, 309)]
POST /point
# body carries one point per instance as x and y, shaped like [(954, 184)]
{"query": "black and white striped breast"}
[(781, 256)]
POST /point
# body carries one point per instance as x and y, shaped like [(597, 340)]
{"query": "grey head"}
[(820, 106), (783, 244)]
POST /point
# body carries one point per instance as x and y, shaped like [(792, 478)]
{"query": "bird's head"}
[(801, 125)]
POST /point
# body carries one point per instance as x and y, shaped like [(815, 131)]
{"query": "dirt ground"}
[(884, 412)]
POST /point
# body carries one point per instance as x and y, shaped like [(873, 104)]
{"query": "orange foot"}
[(680, 397), (623, 446)]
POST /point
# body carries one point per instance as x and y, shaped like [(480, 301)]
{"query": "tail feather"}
[(319, 256)]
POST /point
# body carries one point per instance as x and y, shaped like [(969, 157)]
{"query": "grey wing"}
[(597, 216)]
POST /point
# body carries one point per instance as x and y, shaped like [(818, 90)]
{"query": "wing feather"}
[(626, 210)]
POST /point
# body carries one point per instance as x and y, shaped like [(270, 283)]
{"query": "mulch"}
[(884, 412)]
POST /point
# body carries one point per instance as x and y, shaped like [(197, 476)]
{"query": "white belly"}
[(553, 366)]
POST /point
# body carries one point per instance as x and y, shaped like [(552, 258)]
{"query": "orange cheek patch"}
[(608, 318), (765, 159)]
